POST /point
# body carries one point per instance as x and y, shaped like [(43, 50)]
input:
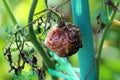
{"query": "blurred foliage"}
[(110, 61)]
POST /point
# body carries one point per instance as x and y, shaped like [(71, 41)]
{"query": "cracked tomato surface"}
[(64, 39)]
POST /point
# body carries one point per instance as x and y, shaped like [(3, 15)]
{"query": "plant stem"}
[(46, 59), (98, 55), (9, 12), (34, 40)]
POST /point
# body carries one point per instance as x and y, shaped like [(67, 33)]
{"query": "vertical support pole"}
[(81, 17)]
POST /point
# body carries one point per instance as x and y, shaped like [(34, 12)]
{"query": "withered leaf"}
[(98, 18), (102, 25), (112, 5), (100, 22)]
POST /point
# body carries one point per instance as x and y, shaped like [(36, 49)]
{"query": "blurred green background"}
[(110, 60)]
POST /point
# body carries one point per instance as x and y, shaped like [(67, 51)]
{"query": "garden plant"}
[(46, 42)]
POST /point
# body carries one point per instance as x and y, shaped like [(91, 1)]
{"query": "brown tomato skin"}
[(64, 39)]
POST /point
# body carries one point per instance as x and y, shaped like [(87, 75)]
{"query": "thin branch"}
[(41, 12), (102, 41), (54, 8), (9, 12)]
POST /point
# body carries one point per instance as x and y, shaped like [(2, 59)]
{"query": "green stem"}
[(101, 43), (34, 40), (9, 12), (46, 59)]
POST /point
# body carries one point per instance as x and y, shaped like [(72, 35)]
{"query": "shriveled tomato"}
[(64, 39)]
